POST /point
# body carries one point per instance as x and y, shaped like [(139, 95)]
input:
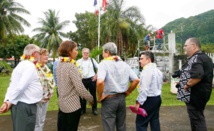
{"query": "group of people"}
[(32, 86), (159, 34)]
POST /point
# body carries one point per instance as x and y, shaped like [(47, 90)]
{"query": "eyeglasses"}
[(188, 45)]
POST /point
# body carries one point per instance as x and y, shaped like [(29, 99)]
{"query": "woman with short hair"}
[(70, 87)]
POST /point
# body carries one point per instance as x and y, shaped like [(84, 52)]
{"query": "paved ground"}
[(171, 118)]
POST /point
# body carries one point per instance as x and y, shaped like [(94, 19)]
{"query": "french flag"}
[(104, 4), (96, 8), (95, 2)]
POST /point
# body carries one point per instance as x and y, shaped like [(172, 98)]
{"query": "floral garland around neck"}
[(68, 59), (45, 76), (115, 58), (31, 59), (27, 57)]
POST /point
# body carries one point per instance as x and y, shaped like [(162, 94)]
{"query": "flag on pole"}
[(95, 2), (104, 4), (96, 8)]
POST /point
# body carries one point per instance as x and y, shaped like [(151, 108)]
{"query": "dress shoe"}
[(95, 112)]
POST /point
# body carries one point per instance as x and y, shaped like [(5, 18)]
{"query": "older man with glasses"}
[(25, 91), (195, 85)]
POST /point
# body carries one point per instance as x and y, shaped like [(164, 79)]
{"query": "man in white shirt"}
[(149, 97), (88, 68), (24, 91)]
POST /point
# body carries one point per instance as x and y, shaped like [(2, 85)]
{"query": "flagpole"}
[(98, 41)]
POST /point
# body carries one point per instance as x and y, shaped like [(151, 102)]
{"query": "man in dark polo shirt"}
[(196, 83)]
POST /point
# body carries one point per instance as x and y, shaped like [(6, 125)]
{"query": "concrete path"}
[(172, 119)]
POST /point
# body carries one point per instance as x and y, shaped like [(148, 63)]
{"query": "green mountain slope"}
[(200, 26)]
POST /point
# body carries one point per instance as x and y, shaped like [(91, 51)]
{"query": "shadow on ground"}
[(172, 118)]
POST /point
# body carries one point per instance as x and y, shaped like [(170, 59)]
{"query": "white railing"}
[(211, 55)]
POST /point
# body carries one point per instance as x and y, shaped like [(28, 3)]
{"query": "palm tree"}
[(118, 25), (10, 21), (50, 32)]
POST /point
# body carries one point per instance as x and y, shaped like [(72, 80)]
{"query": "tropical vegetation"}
[(11, 21), (124, 26), (200, 26), (50, 31)]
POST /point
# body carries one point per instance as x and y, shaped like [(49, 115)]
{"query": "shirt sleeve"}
[(145, 82), (101, 73), (197, 70), (54, 71), (27, 76)]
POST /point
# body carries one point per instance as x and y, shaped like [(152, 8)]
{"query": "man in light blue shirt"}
[(149, 97), (113, 80)]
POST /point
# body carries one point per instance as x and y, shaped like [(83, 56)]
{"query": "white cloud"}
[(156, 12)]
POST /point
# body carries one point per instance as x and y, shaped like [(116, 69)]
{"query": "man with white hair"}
[(25, 91), (88, 68)]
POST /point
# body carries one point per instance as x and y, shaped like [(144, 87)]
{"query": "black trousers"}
[(197, 118), (68, 121), (91, 86), (152, 106)]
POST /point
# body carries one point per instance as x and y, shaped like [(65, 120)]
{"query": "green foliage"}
[(6, 68), (122, 26), (50, 32), (15, 46), (11, 21), (208, 48), (86, 33), (95, 52), (200, 26), (5, 65)]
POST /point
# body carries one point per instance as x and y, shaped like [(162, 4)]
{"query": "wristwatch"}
[(188, 85)]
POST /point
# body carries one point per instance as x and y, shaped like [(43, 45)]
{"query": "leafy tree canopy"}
[(200, 26)]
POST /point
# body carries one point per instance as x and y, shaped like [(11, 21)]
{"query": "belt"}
[(114, 95), (87, 78)]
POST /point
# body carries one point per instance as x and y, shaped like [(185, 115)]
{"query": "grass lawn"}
[(168, 99)]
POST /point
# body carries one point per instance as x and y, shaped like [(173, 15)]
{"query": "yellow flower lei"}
[(68, 59), (44, 72), (115, 58), (31, 59), (27, 57)]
